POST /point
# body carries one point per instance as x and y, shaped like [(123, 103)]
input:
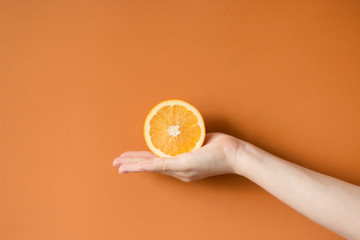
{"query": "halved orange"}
[(173, 127)]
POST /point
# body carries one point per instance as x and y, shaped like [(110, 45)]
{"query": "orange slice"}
[(173, 127)]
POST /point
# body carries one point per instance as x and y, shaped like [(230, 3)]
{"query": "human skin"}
[(328, 201)]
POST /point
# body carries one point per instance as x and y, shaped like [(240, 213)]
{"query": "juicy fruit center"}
[(174, 130)]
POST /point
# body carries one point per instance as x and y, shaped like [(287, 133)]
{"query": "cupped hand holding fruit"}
[(174, 131), (216, 157)]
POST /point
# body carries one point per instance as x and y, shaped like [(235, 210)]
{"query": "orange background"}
[(77, 79)]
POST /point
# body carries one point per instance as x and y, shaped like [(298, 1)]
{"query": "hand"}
[(217, 156)]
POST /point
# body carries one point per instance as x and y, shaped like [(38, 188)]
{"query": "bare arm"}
[(330, 202)]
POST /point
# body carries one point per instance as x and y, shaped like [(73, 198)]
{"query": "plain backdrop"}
[(77, 79)]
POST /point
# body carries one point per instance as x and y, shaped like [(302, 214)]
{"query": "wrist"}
[(245, 154)]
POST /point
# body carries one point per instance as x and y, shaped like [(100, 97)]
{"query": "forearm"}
[(330, 202)]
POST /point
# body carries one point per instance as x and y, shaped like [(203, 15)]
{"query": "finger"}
[(138, 167), (131, 168), (164, 164), (137, 154), (155, 165), (131, 156), (128, 160)]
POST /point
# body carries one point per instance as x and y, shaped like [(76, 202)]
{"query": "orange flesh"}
[(189, 129)]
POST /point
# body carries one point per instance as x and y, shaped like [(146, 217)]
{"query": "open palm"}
[(216, 157)]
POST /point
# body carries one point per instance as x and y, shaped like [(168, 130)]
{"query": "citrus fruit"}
[(173, 127)]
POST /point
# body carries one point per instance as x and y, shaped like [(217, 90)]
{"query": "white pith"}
[(173, 130), (154, 112)]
